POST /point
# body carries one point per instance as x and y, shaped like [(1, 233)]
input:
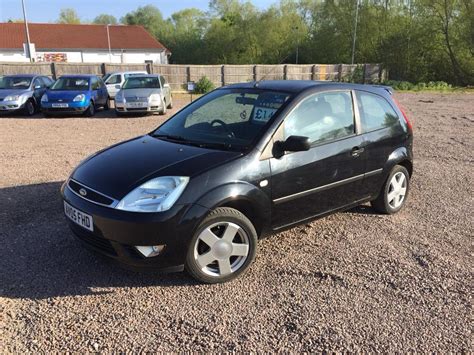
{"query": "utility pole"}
[(28, 52), (108, 40), (355, 31)]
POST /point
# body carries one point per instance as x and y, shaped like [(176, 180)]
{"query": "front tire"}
[(30, 108), (163, 110), (107, 104), (170, 105), (223, 247), (90, 112), (394, 192)]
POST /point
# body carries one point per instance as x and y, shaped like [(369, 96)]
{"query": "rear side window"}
[(322, 117), (375, 112), (114, 79)]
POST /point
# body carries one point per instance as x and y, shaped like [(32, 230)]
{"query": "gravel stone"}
[(354, 281)]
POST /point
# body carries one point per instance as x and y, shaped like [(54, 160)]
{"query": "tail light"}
[(405, 117)]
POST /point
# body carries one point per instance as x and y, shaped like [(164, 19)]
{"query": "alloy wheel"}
[(397, 190), (221, 249)]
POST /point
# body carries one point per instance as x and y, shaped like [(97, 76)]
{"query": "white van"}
[(114, 81)]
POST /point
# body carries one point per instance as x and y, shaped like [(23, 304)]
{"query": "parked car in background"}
[(75, 94), (114, 81), (22, 92), (144, 94), (240, 163)]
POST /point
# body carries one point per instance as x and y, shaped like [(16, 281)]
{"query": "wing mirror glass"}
[(291, 144), (37, 87)]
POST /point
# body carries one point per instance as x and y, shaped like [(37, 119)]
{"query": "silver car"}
[(144, 94), (114, 81), (22, 92)]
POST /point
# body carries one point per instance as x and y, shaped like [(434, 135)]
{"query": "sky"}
[(48, 10)]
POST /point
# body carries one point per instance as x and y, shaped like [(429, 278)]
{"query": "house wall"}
[(91, 56)]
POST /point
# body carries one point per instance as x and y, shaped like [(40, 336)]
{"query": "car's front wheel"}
[(90, 110), (30, 107), (223, 246), (394, 193)]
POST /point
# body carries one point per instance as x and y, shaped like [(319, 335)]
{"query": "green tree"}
[(68, 15), (151, 18), (105, 19)]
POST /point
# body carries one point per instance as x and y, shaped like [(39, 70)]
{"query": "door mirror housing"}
[(291, 144), (37, 87), (117, 87), (166, 85)]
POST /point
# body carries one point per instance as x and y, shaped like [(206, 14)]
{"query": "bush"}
[(407, 86), (203, 86)]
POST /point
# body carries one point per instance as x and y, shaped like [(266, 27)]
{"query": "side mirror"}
[(166, 86), (117, 87), (292, 144), (37, 87)]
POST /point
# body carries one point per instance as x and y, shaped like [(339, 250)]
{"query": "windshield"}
[(142, 82), (106, 76), (227, 119), (15, 82), (71, 83)]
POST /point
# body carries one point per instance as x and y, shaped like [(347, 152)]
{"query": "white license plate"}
[(60, 105), (136, 104), (78, 217)]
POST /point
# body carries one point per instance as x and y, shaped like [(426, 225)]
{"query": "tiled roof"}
[(65, 36)]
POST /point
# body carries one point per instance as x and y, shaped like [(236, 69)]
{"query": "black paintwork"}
[(301, 186)]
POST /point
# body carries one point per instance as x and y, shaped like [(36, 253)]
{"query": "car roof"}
[(129, 72), (78, 76), (23, 75), (298, 86)]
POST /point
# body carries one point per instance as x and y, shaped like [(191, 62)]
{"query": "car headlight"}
[(156, 195), (44, 98), (11, 98), (80, 97), (155, 97)]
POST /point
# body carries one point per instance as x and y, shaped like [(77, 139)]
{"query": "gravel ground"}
[(352, 281)]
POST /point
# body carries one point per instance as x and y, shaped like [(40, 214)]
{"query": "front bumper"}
[(11, 106), (78, 107), (117, 232), (150, 107)]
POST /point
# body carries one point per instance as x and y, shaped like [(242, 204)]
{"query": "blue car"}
[(75, 94)]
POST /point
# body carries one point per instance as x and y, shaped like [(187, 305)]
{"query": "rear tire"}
[(394, 193), (90, 112), (30, 108), (222, 248), (170, 105)]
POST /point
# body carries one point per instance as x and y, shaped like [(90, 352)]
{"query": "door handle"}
[(356, 151)]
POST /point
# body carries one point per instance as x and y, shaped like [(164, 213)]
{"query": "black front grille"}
[(93, 240), (90, 195), (137, 109)]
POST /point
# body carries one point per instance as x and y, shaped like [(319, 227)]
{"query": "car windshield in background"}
[(224, 119), (15, 82), (71, 84), (142, 83)]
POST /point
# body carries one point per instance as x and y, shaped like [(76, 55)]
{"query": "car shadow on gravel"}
[(40, 258)]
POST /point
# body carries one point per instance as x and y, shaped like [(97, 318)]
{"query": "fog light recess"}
[(150, 251)]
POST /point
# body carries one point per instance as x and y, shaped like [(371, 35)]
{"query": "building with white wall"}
[(81, 44)]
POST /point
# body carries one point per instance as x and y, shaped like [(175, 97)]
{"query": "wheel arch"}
[(400, 156), (246, 198)]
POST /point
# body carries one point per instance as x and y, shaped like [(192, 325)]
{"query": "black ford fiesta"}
[(238, 164)]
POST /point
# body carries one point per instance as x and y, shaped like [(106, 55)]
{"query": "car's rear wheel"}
[(90, 110), (170, 105), (222, 248), (394, 193), (30, 108)]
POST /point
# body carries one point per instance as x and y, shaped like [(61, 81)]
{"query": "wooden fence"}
[(179, 75)]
